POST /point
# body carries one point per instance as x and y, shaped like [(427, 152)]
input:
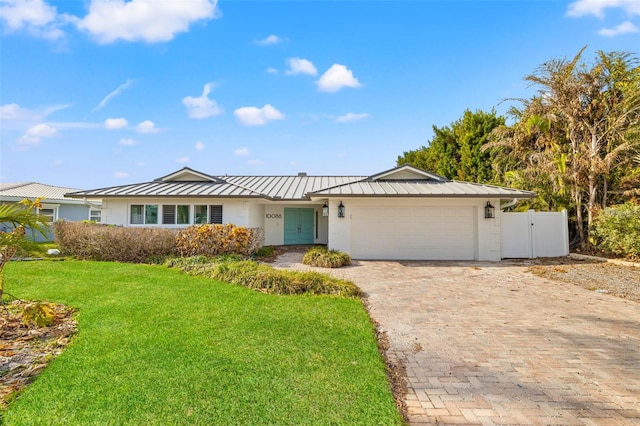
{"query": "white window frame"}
[(160, 206), (144, 214), (92, 215), (53, 207)]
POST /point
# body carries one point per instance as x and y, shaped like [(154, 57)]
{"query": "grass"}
[(156, 346)]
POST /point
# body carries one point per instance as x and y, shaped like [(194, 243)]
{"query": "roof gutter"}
[(509, 204)]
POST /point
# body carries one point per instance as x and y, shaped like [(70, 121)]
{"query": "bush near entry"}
[(325, 258)]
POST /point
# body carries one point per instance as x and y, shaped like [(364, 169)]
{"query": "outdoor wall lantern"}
[(325, 209), (340, 209), (489, 211)]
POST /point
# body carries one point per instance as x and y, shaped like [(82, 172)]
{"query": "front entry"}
[(298, 226)]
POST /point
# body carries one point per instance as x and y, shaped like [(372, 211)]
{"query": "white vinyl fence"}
[(534, 234)]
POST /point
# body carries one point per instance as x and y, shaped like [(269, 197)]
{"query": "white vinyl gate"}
[(534, 234)]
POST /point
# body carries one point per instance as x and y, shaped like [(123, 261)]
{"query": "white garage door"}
[(413, 233)]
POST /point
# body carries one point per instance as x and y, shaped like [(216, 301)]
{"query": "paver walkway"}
[(489, 343)]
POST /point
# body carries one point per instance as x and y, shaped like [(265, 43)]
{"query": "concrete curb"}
[(604, 259)]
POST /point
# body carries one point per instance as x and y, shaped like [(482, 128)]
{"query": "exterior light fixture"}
[(340, 209), (325, 209), (489, 211)]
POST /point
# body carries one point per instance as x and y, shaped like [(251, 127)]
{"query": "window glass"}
[(136, 214), (200, 215), (151, 214), (183, 215), (168, 214), (95, 216), (49, 214)]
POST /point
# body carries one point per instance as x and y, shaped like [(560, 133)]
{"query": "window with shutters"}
[(215, 214), (175, 214), (168, 214)]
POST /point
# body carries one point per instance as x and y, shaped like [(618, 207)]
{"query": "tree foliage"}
[(456, 151), (575, 140)]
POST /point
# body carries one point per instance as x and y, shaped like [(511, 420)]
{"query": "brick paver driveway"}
[(489, 343)]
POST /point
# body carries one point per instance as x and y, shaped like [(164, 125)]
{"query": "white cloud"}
[(147, 126), (113, 94), (14, 112), (624, 28), (115, 123), (271, 70), (272, 39), (183, 160), (300, 66), (202, 106), (35, 16), (143, 20), (335, 78), (597, 7), (128, 142), (121, 175), (199, 146), (34, 134), (242, 152), (254, 116), (351, 116)]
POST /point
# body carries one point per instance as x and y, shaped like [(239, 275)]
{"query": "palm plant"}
[(19, 218)]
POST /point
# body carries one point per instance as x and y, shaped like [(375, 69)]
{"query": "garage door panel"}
[(414, 233)]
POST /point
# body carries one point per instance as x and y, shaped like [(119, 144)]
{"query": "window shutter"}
[(168, 214), (215, 214)]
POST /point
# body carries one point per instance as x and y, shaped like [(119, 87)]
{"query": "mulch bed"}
[(602, 277), (25, 350)]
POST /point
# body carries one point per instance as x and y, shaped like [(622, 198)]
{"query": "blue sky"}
[(95, 93)]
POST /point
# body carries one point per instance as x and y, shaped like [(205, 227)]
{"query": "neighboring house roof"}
[(401, 181), (32, 190)]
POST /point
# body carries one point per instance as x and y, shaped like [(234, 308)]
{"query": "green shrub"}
[(617, 230), (114, 243), (214, 239), (265, 251), (325, 258), (261, 277)]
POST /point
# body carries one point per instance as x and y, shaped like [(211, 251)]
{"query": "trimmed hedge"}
[(616, 230), (113, 243), (261, 277), (325, 258)]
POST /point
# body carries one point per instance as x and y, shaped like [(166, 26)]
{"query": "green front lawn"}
[(159, 347)]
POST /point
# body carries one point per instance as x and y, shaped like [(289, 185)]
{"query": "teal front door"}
[(298, 226)]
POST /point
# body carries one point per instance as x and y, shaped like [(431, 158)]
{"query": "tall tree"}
[(585, 121), (456, 150)]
